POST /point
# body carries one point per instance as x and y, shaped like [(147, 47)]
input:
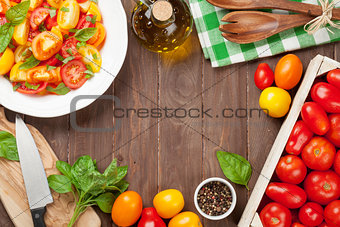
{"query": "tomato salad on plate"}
[(50, 46)]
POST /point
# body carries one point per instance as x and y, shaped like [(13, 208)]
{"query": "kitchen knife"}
[(37, 189)]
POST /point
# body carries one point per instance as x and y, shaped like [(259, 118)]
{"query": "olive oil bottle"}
[(162, 25)]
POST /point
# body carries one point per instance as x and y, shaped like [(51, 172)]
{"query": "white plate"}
[(113, 54)]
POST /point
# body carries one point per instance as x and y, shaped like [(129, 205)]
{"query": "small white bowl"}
[(233, 195)]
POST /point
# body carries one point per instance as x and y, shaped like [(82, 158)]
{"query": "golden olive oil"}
[(162, 25)]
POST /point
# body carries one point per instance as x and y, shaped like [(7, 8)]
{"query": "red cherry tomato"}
[(289, 195), (276, 215), (334, 132), (327, 95), (296, 224), (311, 214), (291, 169), (38, 16), (53, 61), (51, 22), (298, 138), (70, 46), (150, 218), (318, 154), (73, 74), (84, 23), (322, 186), (332, 213), (3, 20), (315, 117), (264, 76), (333, 77), (324, 224), (24, 90), (337, 163)]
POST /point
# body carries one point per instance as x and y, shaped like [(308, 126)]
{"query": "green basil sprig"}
[(6, 33), (31, 62), (8, 146), (92, 187), (85, 34), (235, 167), (61, 89)]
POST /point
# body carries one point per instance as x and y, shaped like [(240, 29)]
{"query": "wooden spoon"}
[(298, 7), (252, 26)]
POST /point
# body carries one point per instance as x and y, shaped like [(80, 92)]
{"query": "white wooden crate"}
[(317, 67)]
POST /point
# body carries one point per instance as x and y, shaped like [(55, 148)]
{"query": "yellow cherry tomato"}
[(22, 53), (85, 6), (6, 61), (99, 37), (185, 219), (91, 56), (21, 31), (275, 101), (94, 10), (16, 74), (69, 19), (59, 34), (34, 4), (55, 3), (168, 203), (127, 209)]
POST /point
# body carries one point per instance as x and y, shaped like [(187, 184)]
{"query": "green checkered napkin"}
[(222, 52)]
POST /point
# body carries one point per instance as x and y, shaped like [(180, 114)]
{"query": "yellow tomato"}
[(18, 75), (168, 203), (22, 53), (69, 19), (275, 101), (185, 219), (6, 61), (85, 6), (21, 32), (55, 3), (94, 10), (99, 37), (57, 31), (127, 209), (91, 56), (34, 4)]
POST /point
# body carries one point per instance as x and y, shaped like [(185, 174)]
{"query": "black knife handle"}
[(38, 217)]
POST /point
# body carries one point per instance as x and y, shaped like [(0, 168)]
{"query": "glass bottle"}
[(162, 25)]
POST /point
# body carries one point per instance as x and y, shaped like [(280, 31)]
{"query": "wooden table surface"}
[(173, 152)]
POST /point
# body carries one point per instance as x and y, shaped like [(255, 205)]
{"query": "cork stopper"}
[(162, 10)]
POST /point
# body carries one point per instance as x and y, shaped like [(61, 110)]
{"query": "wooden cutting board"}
[(13, 193)]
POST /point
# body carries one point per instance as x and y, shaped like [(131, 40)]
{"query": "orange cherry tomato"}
[(99, 37), (45, 45), (185, 219), (127, 209), (40, 74), (288, 72)]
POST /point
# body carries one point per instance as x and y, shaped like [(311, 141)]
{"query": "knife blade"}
[(36, 184)]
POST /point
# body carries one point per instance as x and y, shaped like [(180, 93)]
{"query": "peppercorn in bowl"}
[(215, 198)]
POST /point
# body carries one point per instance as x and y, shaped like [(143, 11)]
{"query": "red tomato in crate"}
[(327, 95), (336, 165), (318, 154), (333, 133), (150, 218), (264, 76), (73, 74), (298, 138), (38, 16), (333, 77), (276, 215), (289, 195), (322, 186), (70, 45), (332, 213), (296, 224), (315, 117), (311, 214), (291, 169)]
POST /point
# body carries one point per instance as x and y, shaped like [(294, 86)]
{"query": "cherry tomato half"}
[(315, 117), (327, 95), (69, 48), (85, 21), (291, 169), (332, 213), (45, 45), (24, 90), (264, 76), (40, 73), (99, 37), (311, 214), (38, 16), (276, 215), (334, 132), (333, 77), (73, 74), (288, 72), (51, 22), (322, 186)]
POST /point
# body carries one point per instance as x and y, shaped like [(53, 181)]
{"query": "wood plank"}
[(180, 139), (225, 88), (136, 141)]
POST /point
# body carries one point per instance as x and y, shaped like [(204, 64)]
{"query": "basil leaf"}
[(123, 185), (60, 183), (59, 57), (81, 44), (31, 62), (69, 51), (235, 167), (49, 67), (31, 86), (88, 18), (61, 89), (85, 34), (42, 27), (94, 19), (105, 202), (64, 168), (64, 9), (17, 14), (95, 1), (8, 146), (66, 60), (16, 86), (95, 56), (73, 30), (6, 33), (111, 172)]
